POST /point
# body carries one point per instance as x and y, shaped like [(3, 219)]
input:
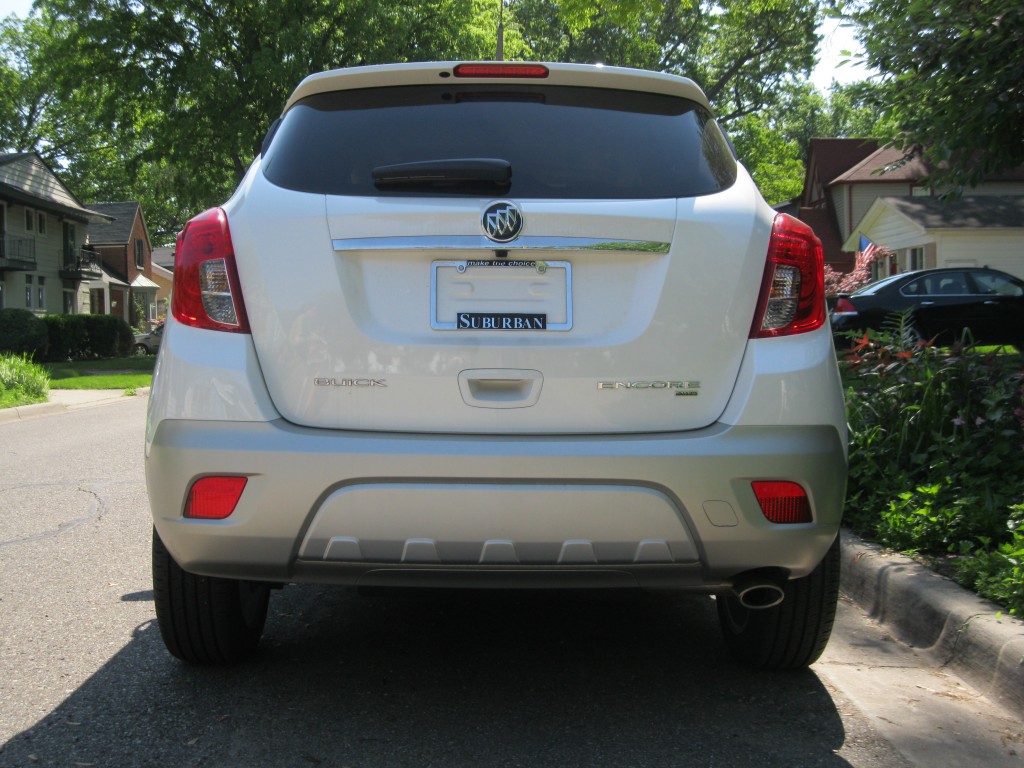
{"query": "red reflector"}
[(214, 498), (782, 501), (500, 70)]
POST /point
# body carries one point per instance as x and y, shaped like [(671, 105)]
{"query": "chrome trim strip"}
[(479, 242)]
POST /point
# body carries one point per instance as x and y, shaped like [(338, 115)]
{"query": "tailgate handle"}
[(500, 387)]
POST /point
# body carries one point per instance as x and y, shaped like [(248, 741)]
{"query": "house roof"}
[(887, 164), (143, 282), (827, 159), (118, 231), (976, 212), (992, 211), (26, 178)]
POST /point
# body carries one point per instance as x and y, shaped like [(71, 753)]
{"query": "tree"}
[(168, 102), (953, 77), (740, 52)]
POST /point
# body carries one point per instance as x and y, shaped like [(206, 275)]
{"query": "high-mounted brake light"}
[(214, 498), (782, 501), (206, 288), (792, 296), (500, 70)]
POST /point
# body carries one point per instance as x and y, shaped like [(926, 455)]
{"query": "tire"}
[(793, 634), (206, 620), (140, 349)]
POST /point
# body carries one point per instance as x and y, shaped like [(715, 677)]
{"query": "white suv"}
[(497, 325)]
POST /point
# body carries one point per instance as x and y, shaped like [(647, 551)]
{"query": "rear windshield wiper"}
[(460, 172)]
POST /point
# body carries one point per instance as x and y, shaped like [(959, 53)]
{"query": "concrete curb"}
[(67, 399), (955, 627), (28, 411)]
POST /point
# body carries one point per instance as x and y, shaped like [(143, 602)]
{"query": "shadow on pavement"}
[(447, 679)]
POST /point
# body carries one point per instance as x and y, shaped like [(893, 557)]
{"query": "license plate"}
[(501, 295)]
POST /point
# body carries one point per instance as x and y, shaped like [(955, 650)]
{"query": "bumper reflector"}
[(782, 501), (214, 498)]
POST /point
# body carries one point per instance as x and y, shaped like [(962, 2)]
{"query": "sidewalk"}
[(953, 626)]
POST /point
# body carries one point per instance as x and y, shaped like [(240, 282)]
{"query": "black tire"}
[(206, 620), (140, 349), (793, 634)]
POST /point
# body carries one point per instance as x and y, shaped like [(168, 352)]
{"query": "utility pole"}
[(500, 53)]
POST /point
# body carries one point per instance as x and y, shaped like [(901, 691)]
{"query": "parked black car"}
[(944, 302)]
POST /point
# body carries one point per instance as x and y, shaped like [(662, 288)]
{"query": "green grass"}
[(21, 381), (121, 373)]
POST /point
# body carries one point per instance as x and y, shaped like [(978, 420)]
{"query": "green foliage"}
[(68, 335), (21, 380), (741, 52), (998, 574), (937, 449), (773, 161), (22, 333), (952, 75), (79, 337)]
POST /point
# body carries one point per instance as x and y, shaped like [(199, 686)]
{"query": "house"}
[(125, 286), (857, 188), (43, 226), (164, 278)]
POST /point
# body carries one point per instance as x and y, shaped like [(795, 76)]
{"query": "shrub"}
[(937, 453), (20, 375), (21, 332), (106, 336), (68, 336)]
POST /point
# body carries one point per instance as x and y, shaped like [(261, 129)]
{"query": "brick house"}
[(126, 288), (856, 187)]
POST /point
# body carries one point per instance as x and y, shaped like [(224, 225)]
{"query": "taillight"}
[(206, 289), (792, 296), (214, 498), (782, 501), (844, 307), (500, 70)]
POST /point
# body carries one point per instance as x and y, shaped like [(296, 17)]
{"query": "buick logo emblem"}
[(502, 222)]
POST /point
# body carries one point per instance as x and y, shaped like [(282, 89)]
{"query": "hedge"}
[(22, 333), (64, 337)]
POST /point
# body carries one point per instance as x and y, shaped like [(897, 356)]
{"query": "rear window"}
[(560, 142)]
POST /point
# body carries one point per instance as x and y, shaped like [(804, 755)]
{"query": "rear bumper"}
[(655, 510)]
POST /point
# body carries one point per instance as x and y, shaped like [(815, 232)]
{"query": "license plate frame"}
[(526, 295)]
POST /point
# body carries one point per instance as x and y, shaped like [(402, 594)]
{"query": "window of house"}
[(41, 293), (140, 254), (69, 302), (30, 220), (41, 222), (28, 291), (915, 259)]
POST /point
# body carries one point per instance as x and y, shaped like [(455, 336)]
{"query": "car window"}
[(561, 142), (992, 284), (938, 284), (872, 288)]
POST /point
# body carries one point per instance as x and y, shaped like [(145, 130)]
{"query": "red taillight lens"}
[(214, 498), (500, 70), (844, 307), (782, 501), (792, 296), (206, 288)]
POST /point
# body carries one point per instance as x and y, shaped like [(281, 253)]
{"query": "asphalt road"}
[(410, 679)]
